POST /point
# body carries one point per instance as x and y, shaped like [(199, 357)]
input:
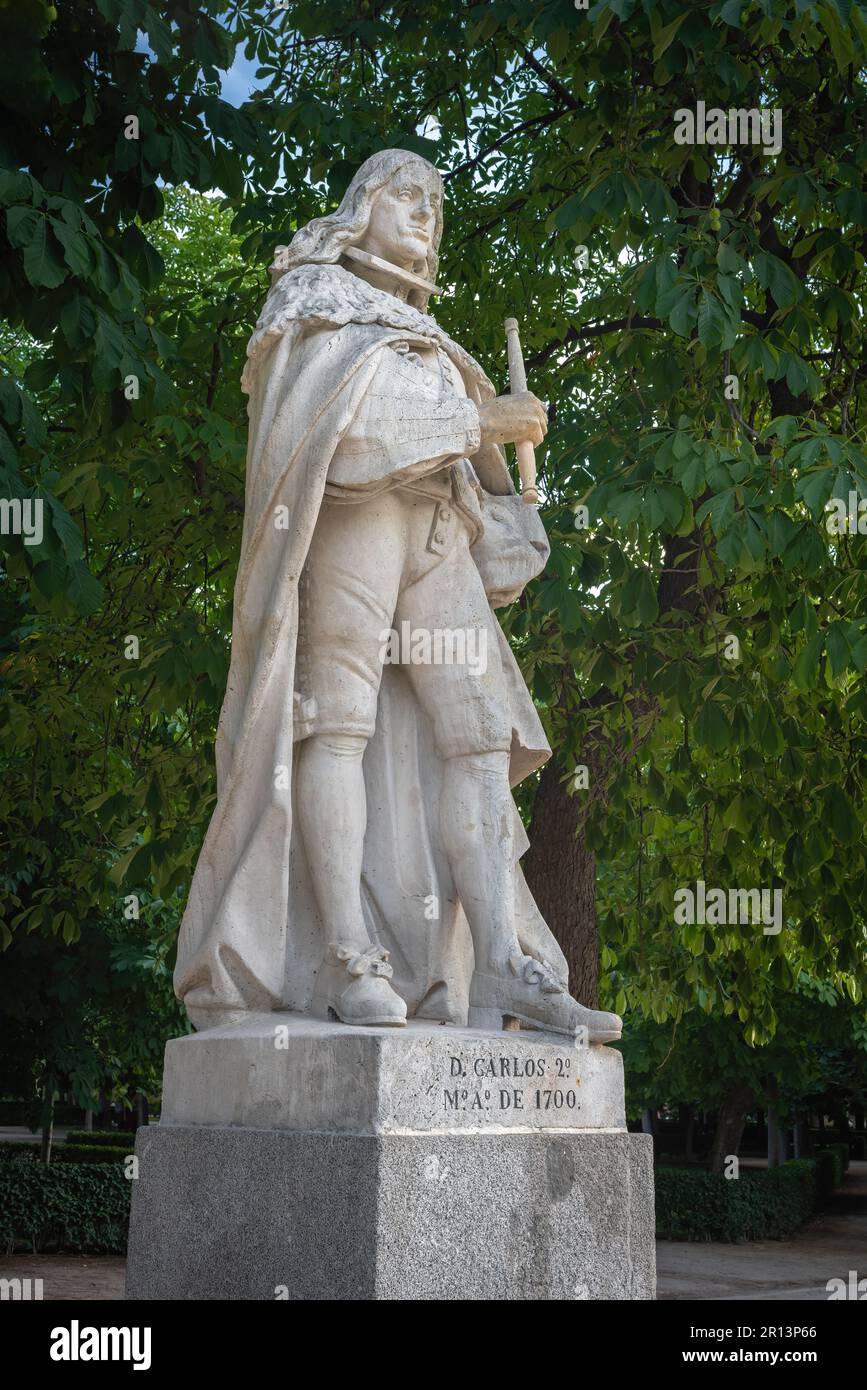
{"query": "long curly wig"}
[(323, 241)]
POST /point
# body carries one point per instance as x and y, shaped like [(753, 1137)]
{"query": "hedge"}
[(111, 1138), (833, 1161), (66, 1153), (761, 1204), (80, 1153), (66, 1206), (16, 1152), (790, 1195)]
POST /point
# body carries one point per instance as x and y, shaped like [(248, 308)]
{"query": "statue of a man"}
[(362, 862)]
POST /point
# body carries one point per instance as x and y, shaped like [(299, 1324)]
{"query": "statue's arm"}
[(404, 428), (490, 467)]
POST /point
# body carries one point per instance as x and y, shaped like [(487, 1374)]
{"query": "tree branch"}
[(593, 330), (562, 93), (541, 121)]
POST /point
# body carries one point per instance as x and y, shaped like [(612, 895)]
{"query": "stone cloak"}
[(251, 938)]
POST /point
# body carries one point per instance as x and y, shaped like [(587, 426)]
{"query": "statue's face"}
[(403, 218)]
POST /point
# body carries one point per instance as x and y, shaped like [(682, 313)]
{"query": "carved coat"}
[(251, 938)]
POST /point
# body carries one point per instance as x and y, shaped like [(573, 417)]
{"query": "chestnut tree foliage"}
[(121, 413), (692, 312)]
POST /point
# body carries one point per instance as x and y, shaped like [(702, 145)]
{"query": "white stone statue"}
[(362, 862)]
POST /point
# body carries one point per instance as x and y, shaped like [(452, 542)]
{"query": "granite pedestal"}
[(305, 1160)]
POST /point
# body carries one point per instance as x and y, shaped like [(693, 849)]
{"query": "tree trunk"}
[(774, 1130), (47, 1121), (730, 1123), (88, 1119), (778, 1150), (688, 1117), (561, 875), (803, 1141)]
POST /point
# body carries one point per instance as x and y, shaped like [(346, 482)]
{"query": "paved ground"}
[(771, 1270), (69, 1276), (19, 1134), (775, 1270)]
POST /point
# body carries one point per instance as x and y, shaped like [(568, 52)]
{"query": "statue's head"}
[(392, 208)]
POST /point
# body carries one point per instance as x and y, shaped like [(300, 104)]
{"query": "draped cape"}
[(251, 937)]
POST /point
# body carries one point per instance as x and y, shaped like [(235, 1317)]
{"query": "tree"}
[(92, 1017), (819, 1052), (692, 312), (115, 630)]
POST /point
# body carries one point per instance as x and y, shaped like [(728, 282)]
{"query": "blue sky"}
[(236, 84), (240, 79)]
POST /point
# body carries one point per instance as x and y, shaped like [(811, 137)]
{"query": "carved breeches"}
[(392, 579)]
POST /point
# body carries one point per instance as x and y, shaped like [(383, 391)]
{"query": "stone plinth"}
[(291, 1072), (331, 1163)]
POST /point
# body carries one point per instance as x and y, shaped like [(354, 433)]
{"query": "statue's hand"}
[(513, 419)]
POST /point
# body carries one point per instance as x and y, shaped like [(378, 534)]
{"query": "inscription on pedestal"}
[(514, 1080), (500, 1084)]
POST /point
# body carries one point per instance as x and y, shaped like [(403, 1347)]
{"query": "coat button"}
[(445, 514), (439, 537)]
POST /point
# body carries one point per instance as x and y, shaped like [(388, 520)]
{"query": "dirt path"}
[(775, 1270), (69, 1276)]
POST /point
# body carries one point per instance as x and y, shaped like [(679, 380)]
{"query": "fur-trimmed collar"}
[(328, 294)]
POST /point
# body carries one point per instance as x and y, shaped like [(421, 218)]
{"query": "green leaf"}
[(639, 597), (714, 329), (837, 647), (838, 36), (784, 428), (841, 815), (683, 316), (776, 277), (730, 13), (77, 320), (721, 510), (42, 263), (816, 488), (800, 376), (663, 507), (22, 225), (736, 816), (712, 727), (806, 668), (728, 260), (32, 422), (781, 532), (692, 480), (665, 36), (122, 866), (768, 733), (730, 547), (18, 187), (77, 253), (65, 529), (85, 590)]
